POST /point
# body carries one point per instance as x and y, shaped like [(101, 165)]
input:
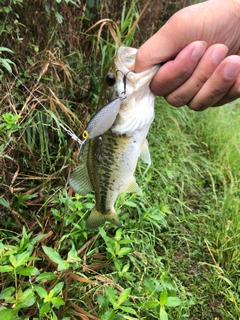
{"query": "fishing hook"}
[(123, 94)]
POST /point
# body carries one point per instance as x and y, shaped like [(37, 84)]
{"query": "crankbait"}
[(105, 117)]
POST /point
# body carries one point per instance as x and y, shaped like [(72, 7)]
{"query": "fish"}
[(115, 138)]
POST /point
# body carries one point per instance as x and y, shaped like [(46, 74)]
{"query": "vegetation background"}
[(178, 256)]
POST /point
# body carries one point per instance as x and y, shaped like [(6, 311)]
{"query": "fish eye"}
[(110, 78)]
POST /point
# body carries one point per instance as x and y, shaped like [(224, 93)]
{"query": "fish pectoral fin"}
[(79, 180), (132, 187), (144, 152), (96, 219)]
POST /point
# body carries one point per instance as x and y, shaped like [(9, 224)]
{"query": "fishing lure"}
[(105, 117)]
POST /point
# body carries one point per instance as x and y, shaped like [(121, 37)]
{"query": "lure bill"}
[(116, 138)]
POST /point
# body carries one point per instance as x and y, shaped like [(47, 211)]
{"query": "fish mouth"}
[(129, 82), (126, 58), (126, 61)]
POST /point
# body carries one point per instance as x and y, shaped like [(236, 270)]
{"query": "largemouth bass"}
[(115, 140)]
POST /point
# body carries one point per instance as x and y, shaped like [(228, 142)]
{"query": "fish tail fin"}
[(96, 219)]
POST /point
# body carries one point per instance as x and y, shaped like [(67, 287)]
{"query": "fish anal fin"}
[(96, 219), (132, 187), (144, 152), (79, 180)]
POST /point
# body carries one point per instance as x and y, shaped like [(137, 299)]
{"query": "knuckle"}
[(197, 106), (184, 73), (175, 101), (218, 92), (201, 77)]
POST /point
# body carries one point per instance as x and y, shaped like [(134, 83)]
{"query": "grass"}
[(203, 234), (178, 255)]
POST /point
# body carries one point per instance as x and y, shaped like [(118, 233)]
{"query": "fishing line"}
[(93, 125), (69, 132)]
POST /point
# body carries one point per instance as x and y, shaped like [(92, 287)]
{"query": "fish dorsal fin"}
[(132, 187), (79, 179), (144, 152)]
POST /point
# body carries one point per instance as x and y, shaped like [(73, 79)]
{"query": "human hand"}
[(201, 46)]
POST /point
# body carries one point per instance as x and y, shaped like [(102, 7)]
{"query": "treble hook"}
[(123, 94)]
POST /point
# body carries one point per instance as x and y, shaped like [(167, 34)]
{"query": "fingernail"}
[(231, 70), (199, 50), (219, 53)]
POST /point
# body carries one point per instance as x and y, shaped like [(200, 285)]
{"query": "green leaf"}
[(151, 304), (6, 64), (52, 254), (27, 300), (57, 301), (123, 296), (37, 238), (22, 259), (5, 49), (59, 17), (45, 309), (4, 203), (73, 256), (41, 292), (13, 260), (7, 314), (54, 316), (128, 310), (124, 251), (6, 293), (28, 271), (117, 264), (58, 287), (63, 265), (130, 204), (163, 297), (110, 294), (51, 294), (173, 302), (46, 276), (109, 315), (5, 269), (126, 267), (101, 300), (163, 314)]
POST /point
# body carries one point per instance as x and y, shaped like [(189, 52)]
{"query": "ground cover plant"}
[(178, 255)]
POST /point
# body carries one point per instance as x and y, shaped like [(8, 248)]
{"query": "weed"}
[(177, 256)]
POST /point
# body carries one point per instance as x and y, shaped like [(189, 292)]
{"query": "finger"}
[(231, 95), (170, 39), (180, 69), (208, 21), (207, 65), (218, 85)]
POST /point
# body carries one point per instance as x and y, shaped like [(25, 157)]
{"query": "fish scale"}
[(107, 168), (109, 160)]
